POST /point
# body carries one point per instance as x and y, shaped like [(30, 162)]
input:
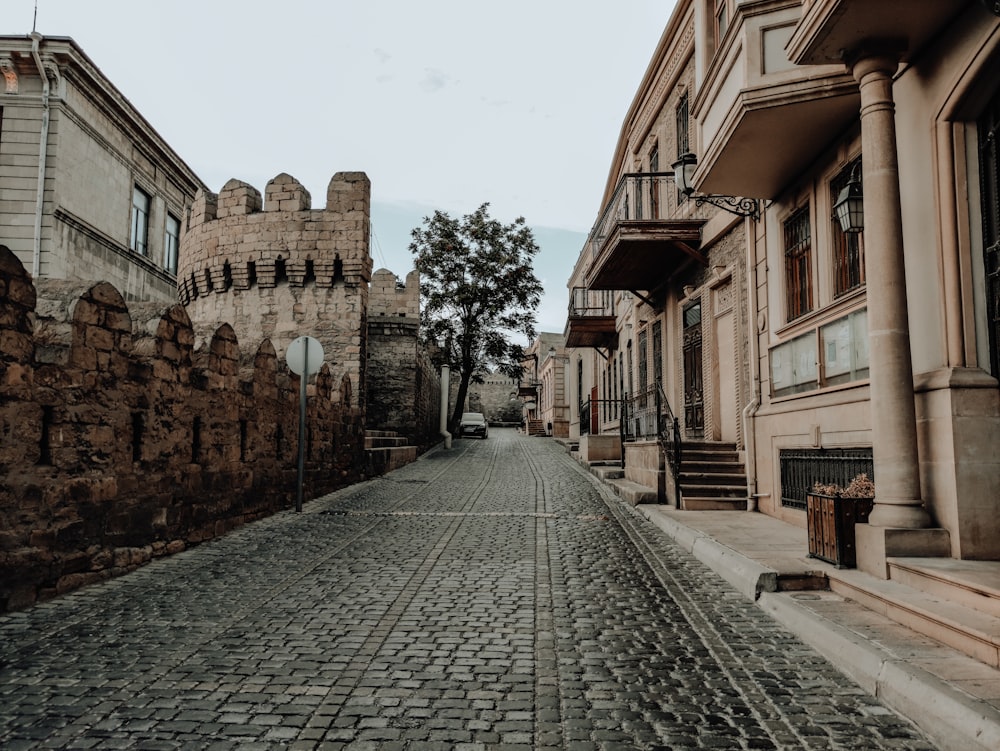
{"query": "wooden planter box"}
[(830, 522)]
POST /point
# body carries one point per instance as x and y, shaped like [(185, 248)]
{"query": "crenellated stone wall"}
[(404, 389), (125, 436), (275, 268)]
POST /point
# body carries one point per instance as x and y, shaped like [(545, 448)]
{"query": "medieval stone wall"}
[(495, 396), (276, 269), (404, 389), (123, 437)]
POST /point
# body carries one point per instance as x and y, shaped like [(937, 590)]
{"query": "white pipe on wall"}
[(445, 387), (750, 411), (43, 147)]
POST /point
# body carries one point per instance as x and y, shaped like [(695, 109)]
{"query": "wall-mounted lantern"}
[(850, 206), (684, 172)]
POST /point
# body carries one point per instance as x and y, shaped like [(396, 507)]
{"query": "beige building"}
[(819, 348), (658, 302), (543, 386), (58, 110)]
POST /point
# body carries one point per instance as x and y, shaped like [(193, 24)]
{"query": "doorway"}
[(694, 382)]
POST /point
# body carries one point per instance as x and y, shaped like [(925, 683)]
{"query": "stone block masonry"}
[(404, 389), (125, 435), (276, 269)]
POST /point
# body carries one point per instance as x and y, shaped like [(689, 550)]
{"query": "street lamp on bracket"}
[(850, 206), (683, 174)]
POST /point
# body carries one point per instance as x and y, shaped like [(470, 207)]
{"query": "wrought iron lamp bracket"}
[(733, 204)]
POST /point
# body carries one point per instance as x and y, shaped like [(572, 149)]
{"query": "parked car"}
[(473, 423)]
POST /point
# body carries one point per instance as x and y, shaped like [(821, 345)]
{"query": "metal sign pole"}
[(302, 422), (297, 358)]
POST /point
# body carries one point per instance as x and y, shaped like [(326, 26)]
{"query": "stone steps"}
[(712, 478), (536, 427), (384, 441), (951, 601), (973, 584), (694, 503), (632, 492), (386, 450)]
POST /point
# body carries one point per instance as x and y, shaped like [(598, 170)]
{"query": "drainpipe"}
[(751, 409), (444, 406), (36, 258)]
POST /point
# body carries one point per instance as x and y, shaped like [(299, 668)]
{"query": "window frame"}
[(722, 18), (810, 365), (682, 125), (139, 224), (797, 253), (171, 244)]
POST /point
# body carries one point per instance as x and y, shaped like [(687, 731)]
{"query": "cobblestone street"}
[(493, 596)]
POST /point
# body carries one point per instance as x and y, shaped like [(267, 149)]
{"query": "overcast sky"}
[(445, 104)]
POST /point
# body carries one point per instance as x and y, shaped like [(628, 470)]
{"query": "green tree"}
[(478, 289)]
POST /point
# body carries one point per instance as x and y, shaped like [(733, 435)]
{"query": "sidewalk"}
[(953, 698)]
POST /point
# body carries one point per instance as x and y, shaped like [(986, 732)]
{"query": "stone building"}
[(58, 110), (494, 395), (543, 387), (404, 389), (658, 323), (278, 269), (834, 311)]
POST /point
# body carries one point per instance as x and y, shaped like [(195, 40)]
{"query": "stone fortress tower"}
[(278, 269)]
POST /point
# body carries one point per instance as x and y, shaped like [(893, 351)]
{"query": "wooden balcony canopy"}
[(638, 241), (592, 320), (640, 255)]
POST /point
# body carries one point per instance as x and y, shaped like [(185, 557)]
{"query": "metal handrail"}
[(639, 196), (648, 416), (670, 439)]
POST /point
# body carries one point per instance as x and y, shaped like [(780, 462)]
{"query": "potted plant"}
[(831, 513)]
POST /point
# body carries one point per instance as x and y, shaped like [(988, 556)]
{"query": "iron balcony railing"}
[(595, 303), (641, 197)]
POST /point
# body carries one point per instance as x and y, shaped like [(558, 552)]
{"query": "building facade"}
[(659, 299), (819, 350), (65, 128)]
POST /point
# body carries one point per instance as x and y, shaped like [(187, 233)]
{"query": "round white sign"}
[(304, 355)]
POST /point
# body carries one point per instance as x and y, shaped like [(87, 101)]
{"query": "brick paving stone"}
[(493, 596)]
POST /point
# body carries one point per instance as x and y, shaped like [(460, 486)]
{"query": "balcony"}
[(528, 389), (636, 243), (591, 320), (761, 116), (829, 27)]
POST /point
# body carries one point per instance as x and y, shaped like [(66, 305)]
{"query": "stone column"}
[(894, 423)]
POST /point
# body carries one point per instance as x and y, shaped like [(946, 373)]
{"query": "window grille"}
[(803, 468), (798, 264)]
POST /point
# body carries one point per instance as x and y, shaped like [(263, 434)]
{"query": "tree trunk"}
[(463, 392)]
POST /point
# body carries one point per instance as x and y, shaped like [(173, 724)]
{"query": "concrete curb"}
[(953, 719), (748, 576)]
